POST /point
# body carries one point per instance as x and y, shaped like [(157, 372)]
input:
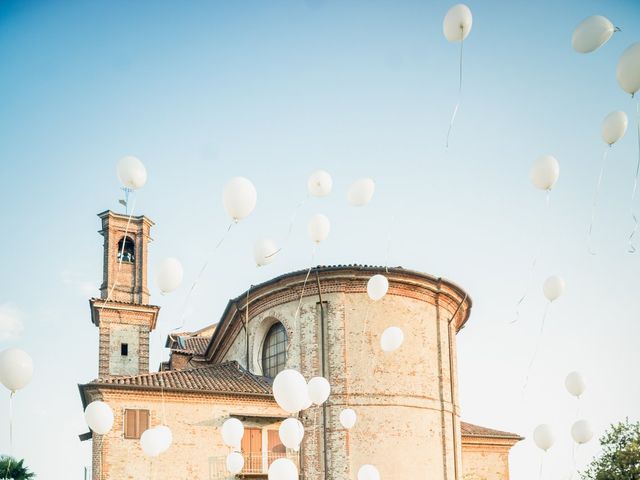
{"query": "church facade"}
[(321, 323)]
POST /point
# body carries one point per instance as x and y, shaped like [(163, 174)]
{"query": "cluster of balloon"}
[(628, 75), (361, 192), (391, 339), (264, 252), (553, 287), (368, 472), (99, 417), (592, 33), (169, 275), (377, 287), (232, 432), (16, 369), (545, 172), (319, 184), (155, 441), (235, 462), (614, 126), (319, 390), (581, 432), (575, 384), (282, 469), (456, 26), (239, 198), (291, 433), (131, 172), (290, 391), (544, 437), (318, 228), (348, 418)]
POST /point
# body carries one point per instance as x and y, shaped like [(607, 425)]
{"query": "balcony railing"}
[(255, 464)]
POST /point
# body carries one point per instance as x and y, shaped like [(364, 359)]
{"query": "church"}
[(321, 323)]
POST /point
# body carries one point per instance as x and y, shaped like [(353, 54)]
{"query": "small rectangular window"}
[(124, 349), (135, 422)]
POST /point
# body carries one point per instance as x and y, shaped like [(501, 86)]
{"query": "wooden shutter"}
[(276, 448), (135, 422), (252, 449)]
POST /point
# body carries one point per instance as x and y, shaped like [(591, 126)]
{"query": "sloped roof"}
[(471, 430), (191, 345), (227, 378)]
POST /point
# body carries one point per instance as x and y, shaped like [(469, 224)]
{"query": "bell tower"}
[(122, 313)]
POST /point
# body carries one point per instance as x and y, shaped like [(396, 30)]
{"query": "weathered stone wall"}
[(406, 400), (485, 461), (195, 422)]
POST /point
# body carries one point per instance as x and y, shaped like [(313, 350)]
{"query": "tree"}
[(14, 469), (620, 458)]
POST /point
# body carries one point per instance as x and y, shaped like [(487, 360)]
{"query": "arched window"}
[(274, 351), (126, 254)]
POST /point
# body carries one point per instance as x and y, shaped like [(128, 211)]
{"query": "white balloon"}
[(232, 432), (377, 287), (581, 431), (235, 462), (348, 418), (592, 33), (368, 472), (169, 275), (99, 417), (361, 192), (575, 384), (318, 227), (264, 252), (151, 442), (614, 127), (282, 469), (628, 70), (545, 172), (166, 437), (291, 433), (391, 339), (319, 390), (131, 172), (319, 184), (543, 437), (16, 368), (239, 198), (290, 391), (553, 287), (457, 23)]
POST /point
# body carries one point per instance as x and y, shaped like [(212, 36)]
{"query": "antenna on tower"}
[(125, 201)]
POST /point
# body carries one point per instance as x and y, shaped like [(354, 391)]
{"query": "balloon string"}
[(537, 255), (388, 252), (11, 422), (304, 284), (121, 256), (455, 110), (291, 223), (199, 277), (538, 342), (595, 199), (632, 248), (541, 464)]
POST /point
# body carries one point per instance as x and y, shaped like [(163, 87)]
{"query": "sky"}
[(202, 91)]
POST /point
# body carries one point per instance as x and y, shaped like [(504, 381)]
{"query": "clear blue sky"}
[(203, 91)]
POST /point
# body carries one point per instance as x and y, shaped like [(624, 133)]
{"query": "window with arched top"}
[(274, 351), (126, 250)]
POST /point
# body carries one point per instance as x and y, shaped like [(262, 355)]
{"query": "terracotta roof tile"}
[(471, 430), (227, 377)]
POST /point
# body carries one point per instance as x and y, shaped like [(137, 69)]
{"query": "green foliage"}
[(14, 469), (620, 458)]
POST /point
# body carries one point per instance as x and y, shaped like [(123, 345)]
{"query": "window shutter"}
[(129, 423), (143, 421)]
